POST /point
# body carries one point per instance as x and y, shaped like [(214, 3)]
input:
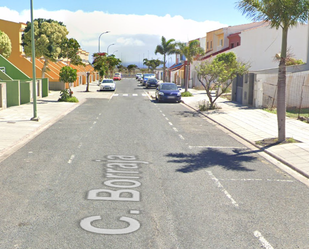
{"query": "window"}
[(211, 45), (207, 45), (232, 45), (221, 42)]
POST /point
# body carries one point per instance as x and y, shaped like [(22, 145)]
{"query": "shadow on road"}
[(211, 158)]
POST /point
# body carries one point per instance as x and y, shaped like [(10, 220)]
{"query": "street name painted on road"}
[(124, 169)]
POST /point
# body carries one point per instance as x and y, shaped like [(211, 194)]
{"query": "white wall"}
[(260, 45)]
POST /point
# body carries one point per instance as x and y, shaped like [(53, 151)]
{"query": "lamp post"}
[(35, 116), (99, 39), (109, 46), (115, 52)]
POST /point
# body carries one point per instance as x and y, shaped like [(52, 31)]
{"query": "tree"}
[(48, 36), (100, 63), (190, 52), (282, 14), (103, 63), (152, 64), (146, 63), (69, 50), (5, 45), (68, 75), (112, 62), (131, 67), (121, 68), (166, 48), (217, 75)]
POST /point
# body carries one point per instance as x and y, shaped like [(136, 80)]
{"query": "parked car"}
[(151, 82), (146, 76), (117, 76), (138, 75), (168, 92), (107, 84), (140, 78)]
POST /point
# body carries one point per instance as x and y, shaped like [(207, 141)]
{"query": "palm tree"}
[(190, 52), (165, 48), (282, 14), (146, 63)]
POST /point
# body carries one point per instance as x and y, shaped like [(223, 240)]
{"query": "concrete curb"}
[(5, 153), (250, 142)]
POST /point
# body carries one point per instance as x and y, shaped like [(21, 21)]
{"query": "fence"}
[(297, 90)]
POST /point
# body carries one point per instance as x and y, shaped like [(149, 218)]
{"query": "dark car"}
[(168, 92), (147, 76), (151, 82)]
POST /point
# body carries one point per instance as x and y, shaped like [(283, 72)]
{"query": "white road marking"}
[(220, 186), (125, 95), (134, 212), (262, 240), (175, 129), (252, 180), (116, 95), (134, 94), (181, 137), (94, 122), (80, 145), (144, 94), (71, 159), (170, 123), (166, 118)]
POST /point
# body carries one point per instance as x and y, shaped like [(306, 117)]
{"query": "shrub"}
[(204, 105), (186, 94), (65, 96)]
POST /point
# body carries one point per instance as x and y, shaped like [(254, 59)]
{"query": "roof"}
[(175, 66)]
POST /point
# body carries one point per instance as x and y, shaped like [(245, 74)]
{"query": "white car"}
[(107, 84)]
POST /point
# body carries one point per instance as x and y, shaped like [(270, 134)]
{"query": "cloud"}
[(134, 36)]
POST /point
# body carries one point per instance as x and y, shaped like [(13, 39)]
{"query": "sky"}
[(135, 27)]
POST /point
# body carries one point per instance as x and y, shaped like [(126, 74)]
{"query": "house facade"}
[(255, 44), (19, 59)]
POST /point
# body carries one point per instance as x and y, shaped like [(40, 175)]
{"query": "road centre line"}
[(170, 123), (71, 159), (181, 137), (220, 186), (264, 242), (175, 129), (166, 118), (258, 180)]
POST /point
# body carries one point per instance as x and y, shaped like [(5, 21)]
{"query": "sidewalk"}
[(16, 128), (253, 125)]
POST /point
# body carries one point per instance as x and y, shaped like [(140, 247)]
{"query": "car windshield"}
[(169, 87), (152, 80), (107, 81), (149, 75)]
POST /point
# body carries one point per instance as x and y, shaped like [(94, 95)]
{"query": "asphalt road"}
[(127, 172)]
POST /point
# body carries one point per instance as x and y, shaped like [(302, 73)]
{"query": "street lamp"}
[(115, 51), (109, 46), (35, 116), (99, 39)]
